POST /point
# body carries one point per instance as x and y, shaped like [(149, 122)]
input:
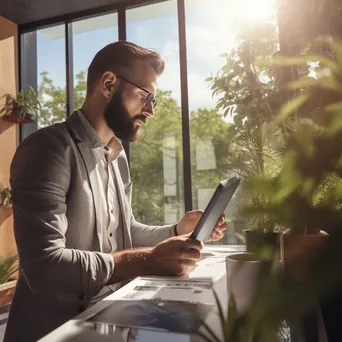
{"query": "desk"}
[(211, 267)]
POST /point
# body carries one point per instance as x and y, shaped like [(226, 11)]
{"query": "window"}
[(89, 36), (157, 158), (214, 31), (51, 74)]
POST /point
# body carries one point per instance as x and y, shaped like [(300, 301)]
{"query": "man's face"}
[(126, 113)]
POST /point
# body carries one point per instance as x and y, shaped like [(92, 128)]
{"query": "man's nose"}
[(148, 110)]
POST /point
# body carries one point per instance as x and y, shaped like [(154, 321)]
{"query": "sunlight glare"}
[(255, 10)]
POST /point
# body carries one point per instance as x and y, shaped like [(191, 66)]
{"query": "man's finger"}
[(223, 227), (217, 235), (195, 244), (193, 214), (221, 221), (191, 254)]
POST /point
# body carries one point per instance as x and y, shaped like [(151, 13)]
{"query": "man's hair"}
[(115, 56)]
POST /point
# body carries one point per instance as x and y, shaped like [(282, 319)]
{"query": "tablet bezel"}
[(212, 213)]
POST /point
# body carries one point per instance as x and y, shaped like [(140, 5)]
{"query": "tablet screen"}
[(214, 210)]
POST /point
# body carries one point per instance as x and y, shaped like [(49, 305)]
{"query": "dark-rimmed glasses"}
[(150, 97)]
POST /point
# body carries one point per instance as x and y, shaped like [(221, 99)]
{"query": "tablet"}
[(214, 210)]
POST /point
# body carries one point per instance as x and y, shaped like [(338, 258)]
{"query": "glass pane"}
[(89, 36), (211, 35), (157, 159), (51, 74)]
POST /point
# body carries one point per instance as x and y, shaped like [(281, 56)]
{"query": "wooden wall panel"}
[(9, 132)]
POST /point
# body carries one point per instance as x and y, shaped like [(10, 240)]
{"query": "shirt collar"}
[(114, 146)]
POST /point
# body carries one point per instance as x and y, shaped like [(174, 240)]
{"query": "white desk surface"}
[(212, 267)]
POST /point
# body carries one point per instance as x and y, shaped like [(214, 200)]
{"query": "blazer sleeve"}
[(41, 172)]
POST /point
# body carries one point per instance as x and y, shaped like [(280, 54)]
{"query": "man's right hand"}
[(175, 256)]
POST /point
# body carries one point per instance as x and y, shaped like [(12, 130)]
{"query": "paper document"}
[(168, 289)]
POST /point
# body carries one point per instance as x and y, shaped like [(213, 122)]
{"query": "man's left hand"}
[(188, 223)]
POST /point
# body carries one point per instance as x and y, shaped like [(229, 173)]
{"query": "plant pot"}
[(16, 118), (6, 206), (256, 241), (6, 293), (297, 252), (245, 273)]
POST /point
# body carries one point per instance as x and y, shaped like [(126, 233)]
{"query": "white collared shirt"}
[(105, 156)]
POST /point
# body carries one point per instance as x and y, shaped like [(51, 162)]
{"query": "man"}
[(71, 192)]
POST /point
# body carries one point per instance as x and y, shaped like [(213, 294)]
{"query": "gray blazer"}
[(55, 197)]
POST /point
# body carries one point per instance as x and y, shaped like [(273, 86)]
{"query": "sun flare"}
[(255, 10)]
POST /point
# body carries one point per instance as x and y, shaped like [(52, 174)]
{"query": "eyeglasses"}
[(150, 97)]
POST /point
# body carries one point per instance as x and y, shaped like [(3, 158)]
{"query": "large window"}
[(157, 159), (89, 36), (51, 76)]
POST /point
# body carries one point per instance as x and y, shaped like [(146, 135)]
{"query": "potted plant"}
[(252, 155), (249, 94), (306, 197), (8, 267), (23, 108), (5, 197), (309, 183)]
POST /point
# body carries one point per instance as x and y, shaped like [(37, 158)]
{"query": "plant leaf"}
[(289, 108)]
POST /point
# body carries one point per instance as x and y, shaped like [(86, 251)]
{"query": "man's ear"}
[(108, 84)]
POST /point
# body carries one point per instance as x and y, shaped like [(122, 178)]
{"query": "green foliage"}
[(5, 196), (207, 125), (307, 194), (242, 83), (25, 103), (7, 268), (147, 169), (249, 94), (147, 154), (53, 98)]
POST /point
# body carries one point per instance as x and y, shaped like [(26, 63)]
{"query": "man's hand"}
[(175, 256), (188, 223)]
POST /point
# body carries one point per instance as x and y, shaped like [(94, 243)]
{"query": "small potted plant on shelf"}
[(5, 197), (8, 268), (23, 108)]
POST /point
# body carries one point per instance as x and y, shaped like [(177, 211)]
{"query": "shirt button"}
[(112, 211), (111, 234)]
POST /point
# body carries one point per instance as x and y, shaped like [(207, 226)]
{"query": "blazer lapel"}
[(84, 146), (127, 240)]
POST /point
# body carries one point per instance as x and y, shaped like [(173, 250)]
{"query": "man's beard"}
[(119, 120)]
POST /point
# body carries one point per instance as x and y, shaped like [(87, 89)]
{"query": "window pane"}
[(51, 74), (211, 29), (157, 159), (89, 36)]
